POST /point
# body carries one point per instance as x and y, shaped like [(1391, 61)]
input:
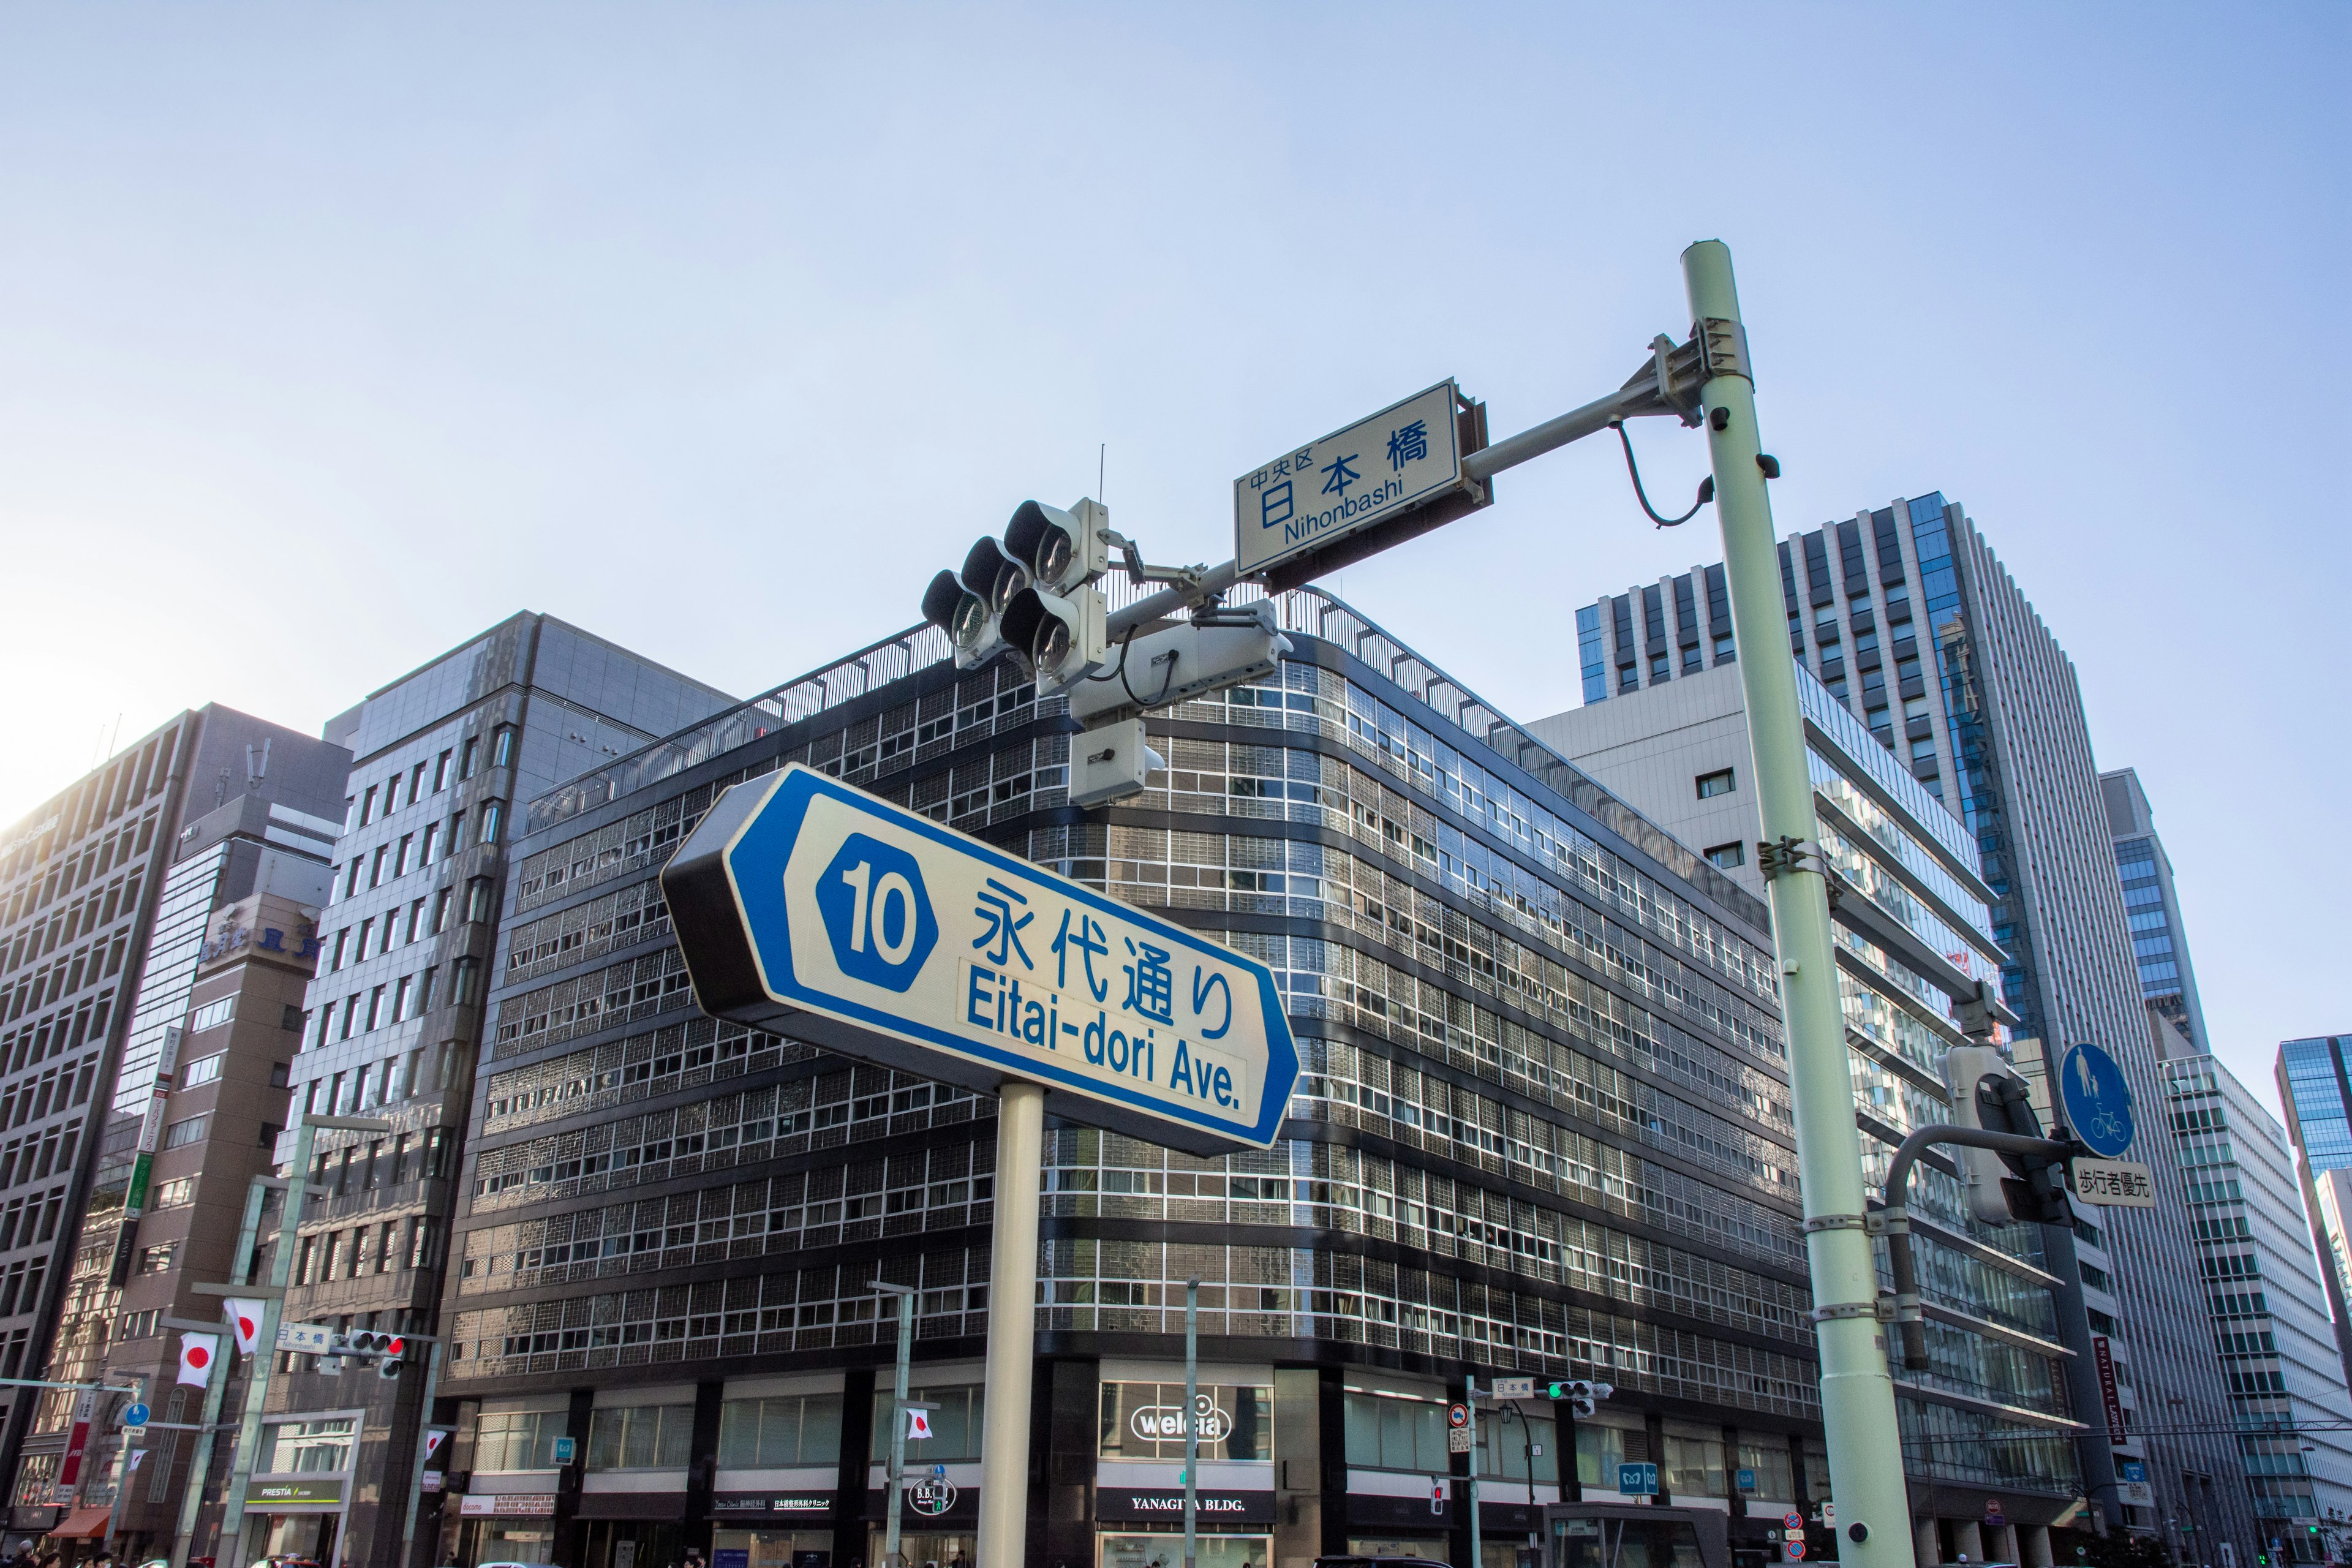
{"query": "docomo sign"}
[(881, 934), (1165, 1423)]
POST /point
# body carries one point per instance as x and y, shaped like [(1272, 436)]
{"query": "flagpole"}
[(906, 1294), (215, 1388)]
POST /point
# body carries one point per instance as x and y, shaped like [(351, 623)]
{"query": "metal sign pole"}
[(216, 1387), (898, 1476), (417, 1461), (1857, 1393), (1470, 1403), (1191, 1413), (1012, 1327)]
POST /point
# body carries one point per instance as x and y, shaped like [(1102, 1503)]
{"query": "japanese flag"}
[(244, 1320), (919, 1425), (197, 1352), (434, 1438)]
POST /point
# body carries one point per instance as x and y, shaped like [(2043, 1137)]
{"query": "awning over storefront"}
[(85, 1523)]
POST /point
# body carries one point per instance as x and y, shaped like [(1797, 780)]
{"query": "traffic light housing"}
[(1061, 550), (1581, 1396), (2003, 1189), (1047, 563), (1062, 636)]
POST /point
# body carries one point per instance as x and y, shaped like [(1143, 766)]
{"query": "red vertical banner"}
[(2107, 1393), (76, 1441)]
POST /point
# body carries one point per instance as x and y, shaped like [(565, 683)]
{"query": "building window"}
[(178, 1193), (441, 772), (205, 1071), (796, 1429), (157, 1260), (432, 837), (1660, 667), (180, 1135), (142, 1325), (955, 1424), (1693, 659), (502, 747), (1726, 855), (1629, 679), (1723, 654), (1393, 1434), (641, 1438), (466, 980), (309, 1447), (472, 754), (367, 805), (212, 1015), (477, 901), (1720, 782), (490, 814)]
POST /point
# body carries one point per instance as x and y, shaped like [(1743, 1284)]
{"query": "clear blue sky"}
[(330, 335)]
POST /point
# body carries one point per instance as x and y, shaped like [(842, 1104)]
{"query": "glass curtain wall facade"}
[(2271, 1328), (1913, 625), (1913, 927), (442, 761), (2318, 1099), (1543, 1127), (2159, 939)]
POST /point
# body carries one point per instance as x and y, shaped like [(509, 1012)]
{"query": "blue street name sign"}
[(805, 905), (2097, 1102), (1638, 1480)]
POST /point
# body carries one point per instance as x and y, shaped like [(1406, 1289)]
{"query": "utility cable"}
[(1706, 485)]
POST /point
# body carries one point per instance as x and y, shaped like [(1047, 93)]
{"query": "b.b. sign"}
[(806, 905), (2097, 1101)]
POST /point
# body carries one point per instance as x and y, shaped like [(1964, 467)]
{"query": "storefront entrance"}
[(1165, 1549), (943, 1549), (772, 1548)]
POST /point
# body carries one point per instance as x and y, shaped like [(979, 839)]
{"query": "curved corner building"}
[(1543, 1129)]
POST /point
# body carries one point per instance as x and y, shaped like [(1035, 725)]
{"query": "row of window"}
[(378, 935), (1348, 1300), (435, 841), (397, 1001), (381, 801)]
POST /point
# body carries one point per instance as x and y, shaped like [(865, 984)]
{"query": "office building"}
[(86, 897), (1543, 1128), (2317, 1100), (2271, 1327), (1987, 1422), (2160, 940), (194, 1118), (441, 759), (1913, 626)]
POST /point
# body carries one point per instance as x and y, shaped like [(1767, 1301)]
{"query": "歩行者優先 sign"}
[(881, 934), (2096, 1099), (2117, 1184), (1404, 457)]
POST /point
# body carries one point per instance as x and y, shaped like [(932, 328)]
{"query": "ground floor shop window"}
[(1163, 1548), (1432, 1547), (771, 1548)]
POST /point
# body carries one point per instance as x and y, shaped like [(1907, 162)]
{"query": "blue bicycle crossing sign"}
[(806, 905), (2096, 1099)]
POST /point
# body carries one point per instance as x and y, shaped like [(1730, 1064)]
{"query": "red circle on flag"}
[(198, 1355), (245, 1327)]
